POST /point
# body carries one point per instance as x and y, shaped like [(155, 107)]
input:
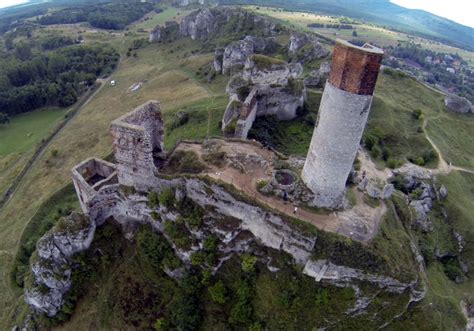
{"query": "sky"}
[(460, 11), (8, 3)]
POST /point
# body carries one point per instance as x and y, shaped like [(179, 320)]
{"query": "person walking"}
[(285, 197), (295, 211)]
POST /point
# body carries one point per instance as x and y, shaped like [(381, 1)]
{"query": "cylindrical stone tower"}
[(342, 117)]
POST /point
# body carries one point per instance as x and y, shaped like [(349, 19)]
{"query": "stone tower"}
[(138, 144), (343, 113)]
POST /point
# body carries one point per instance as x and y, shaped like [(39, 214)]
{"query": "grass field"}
[(452, 133), (20, 137), (26, 130)]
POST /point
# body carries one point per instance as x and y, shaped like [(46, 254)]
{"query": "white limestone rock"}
[(50, 267), (305, 48)]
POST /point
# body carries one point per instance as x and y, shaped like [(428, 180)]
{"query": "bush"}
[(167, 198), (248, 263), (217, 159), (185, 162), (198, 258), (153, 201), (416, 114), (261, 184), (218, 292)]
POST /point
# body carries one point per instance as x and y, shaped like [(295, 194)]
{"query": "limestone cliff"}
[(236, 222), (305, 48), (201, 24), (51, 266)]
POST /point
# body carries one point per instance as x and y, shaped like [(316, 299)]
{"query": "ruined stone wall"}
[(138, 143), (247, 115), (89, 176), (279, 101), (343, 113)]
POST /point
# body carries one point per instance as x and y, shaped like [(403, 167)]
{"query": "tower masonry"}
[(138, 144), (343, 113)]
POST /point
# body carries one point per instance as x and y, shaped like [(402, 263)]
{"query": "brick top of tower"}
[(355, 69)]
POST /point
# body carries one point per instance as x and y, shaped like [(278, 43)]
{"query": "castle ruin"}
[(343, 113)]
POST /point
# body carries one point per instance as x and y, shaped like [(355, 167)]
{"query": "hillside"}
[(124, 283), (384, 13)]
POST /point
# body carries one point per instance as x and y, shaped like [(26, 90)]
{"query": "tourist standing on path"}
[(295, 211)]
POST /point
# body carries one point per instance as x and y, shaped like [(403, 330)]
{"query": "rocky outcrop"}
[(345, 276), (317, 78), (376, 190), (458, 104), (51, 267), (218, 59), (166, 33), (305, 48), (236, 54), (264, 70), (198, 25), (201, 24)]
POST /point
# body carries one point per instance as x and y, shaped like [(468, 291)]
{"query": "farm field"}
[(367, 32)]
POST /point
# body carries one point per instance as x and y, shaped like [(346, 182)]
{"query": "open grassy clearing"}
[(452, 133), (367, 32), (19, 138), (26, 130), (168, 14)]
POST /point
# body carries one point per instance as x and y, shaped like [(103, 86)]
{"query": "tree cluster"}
[(114, 16), (30, 81)]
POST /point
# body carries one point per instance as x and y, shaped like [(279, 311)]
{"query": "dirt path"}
[(40, 151), (443, 166), (360, 223)]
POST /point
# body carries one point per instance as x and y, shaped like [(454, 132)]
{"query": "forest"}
[(114, 16), (29, 81)]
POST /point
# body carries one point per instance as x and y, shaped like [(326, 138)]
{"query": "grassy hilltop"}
[(174, 74)]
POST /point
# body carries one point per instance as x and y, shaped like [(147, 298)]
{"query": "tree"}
[(4, 118), (23, 51), (218, 292), (354, 33)]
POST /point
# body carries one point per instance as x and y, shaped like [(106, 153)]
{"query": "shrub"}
[(217, 158), (153, 201), (218, 292), (185, 162), (261, 183), (198, 258), (155, 216), (167, 198), (248, 263), (416, 114)]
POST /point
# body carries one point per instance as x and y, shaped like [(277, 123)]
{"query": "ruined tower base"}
[(334, 144), (343, 113)]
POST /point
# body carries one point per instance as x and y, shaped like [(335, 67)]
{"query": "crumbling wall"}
[(138, 144), (89, 176)]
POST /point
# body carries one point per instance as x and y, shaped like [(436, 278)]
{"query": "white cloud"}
[(8, 3), (461, 11)]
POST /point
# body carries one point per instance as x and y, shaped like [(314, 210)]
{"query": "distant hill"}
[(381, 12)]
